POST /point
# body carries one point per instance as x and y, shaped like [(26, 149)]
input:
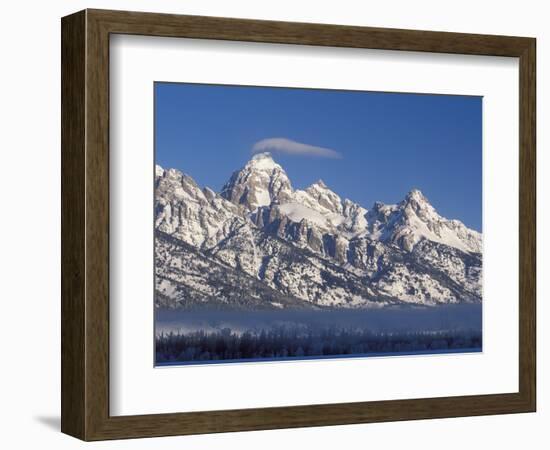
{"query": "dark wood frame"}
[(85, 224)]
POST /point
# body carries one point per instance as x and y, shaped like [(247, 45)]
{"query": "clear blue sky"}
[(389, 142)]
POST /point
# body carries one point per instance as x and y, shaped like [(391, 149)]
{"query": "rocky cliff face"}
[(262, 244)]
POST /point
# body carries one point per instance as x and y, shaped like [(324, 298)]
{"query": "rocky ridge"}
[(260, 243)]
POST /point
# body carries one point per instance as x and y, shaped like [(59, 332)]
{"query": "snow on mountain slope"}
[(320, 198), (415, 219), (186, 279), (315, 219), (296, 273), (306, 245), (344, 215), (355, 219), (298, 212), (465, 270)]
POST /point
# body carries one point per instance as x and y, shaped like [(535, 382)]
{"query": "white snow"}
[(262, 197), (166, 287), (446, 236), (335, 219), (263, 161), (297, 212), (445, 232)]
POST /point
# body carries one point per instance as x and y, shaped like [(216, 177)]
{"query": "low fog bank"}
[(384, 320)]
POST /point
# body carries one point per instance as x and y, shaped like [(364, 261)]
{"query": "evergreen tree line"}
[(285, 342)]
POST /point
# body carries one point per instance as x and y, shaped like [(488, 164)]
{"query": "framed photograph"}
[(273, 225)]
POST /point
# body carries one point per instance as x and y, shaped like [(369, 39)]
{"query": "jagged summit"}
[(261, 155), (417, 200), (417, 195), (415, 203), (320, 183), (159, 171), (259, 183), (263, 161)]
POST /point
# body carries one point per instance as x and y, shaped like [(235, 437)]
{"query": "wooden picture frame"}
[(85, 224)]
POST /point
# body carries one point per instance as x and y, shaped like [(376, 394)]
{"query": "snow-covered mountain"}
[(262, 244), (261, 182)]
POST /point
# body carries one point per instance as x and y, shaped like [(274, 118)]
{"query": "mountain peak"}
[(260, 182), (159, 171), (262, 155), (320, 183), (416, 203), (416, 194), (263, 161), (318, 196)]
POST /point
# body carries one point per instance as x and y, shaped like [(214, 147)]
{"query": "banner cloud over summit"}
[(290, 147)]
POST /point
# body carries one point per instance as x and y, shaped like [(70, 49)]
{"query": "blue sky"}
[(387, 143)]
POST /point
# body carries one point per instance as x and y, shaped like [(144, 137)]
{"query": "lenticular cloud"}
[(289, 147)]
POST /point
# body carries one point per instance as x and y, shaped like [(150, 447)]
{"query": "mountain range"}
[(261, 244)]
